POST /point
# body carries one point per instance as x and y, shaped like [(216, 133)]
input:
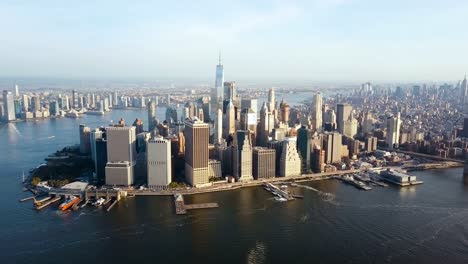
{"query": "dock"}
[(181, 208), (112, 205), (53, 200), (277, 192), (26, 199)]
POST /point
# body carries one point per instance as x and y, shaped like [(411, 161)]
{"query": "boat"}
[(280, 199), (69, 202), (99, 202)]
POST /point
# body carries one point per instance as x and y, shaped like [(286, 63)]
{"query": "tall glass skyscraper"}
[(219, 80)]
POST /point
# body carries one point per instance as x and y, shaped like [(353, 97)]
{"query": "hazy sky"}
[(314, 40)]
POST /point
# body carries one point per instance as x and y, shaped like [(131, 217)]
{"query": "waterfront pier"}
[(181, 208)]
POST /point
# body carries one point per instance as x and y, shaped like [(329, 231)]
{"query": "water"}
[(334, 223)]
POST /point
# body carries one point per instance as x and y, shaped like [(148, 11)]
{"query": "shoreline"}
[(303, 178)]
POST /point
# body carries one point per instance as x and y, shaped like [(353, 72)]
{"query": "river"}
[(334, 223)]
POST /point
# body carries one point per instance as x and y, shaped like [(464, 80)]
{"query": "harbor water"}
[(333, 223)]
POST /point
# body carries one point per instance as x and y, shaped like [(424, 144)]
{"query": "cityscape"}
[(237, 132)]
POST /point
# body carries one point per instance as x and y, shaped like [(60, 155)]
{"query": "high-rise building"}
[(271, 100), (250, 103), (284, 110), (242, 160), (159, 162), (263, 162), (350, 126), (85, 140), (8, 106), (138, 124), (101, 160), (95, 135), (371, 144), (54, 108), (393, 131), (219, 81), (342, 113), (35, 103), (304, 137), (317, 112), (263, 127), (464, 95), (17, 90), (25, 103), (229, 123), (74, 99), (196, 152), (332, 146), (218, 126), (290, 163), (121, 155), (171, 115), (248, 121), (318, 160), (152, 123), (230, 91)]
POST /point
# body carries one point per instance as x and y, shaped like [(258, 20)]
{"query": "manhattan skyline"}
[(278, 41)]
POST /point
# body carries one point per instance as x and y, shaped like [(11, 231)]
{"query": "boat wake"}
[(326, 197)]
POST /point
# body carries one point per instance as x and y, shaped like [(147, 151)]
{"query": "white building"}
[(317, 112), (290, 163), (393, 131), (159, 162)]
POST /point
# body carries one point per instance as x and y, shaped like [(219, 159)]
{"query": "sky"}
[(314, 40)]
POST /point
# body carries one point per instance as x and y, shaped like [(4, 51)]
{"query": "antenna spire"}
[(219, 58)]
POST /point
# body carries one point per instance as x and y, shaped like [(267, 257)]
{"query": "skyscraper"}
[(464, 95), (242, 160), (230, 91), (271, 100), (36, 103), (332, 146), (85, 140), (8, 106), (290, 162), (26, 103), (196, 152), (219, 82), (263, 162), (342, 113), (263, 131), (393, 131), (121, 155), (16, 90), (152, 123), (350, 126), (317, 112), (218, 126), (159, 162), (304, 137), (94, 136), (284, 109), (74, 100), (229, 123)]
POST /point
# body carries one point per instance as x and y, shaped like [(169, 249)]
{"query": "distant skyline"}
[(277, 41)]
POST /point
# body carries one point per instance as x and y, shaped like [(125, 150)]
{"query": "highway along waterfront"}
[(334, 222)]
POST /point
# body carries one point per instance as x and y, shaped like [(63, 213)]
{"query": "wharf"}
[(27, 198), (53, 200), (181, 208)]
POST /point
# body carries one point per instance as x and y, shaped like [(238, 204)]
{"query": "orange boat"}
[(69, 202)]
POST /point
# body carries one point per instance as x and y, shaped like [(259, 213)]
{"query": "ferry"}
[(69, 202), (99, 202)]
